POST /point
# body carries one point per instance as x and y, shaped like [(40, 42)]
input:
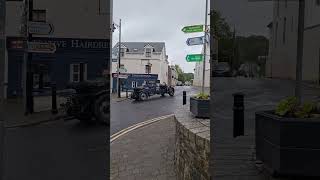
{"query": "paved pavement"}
[(234, 158), (145, 154), (129, 112)]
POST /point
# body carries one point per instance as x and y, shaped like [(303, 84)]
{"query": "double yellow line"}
[(136, 126)]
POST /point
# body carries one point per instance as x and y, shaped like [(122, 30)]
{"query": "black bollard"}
[(54, 109), (184, 97), (238, 115)]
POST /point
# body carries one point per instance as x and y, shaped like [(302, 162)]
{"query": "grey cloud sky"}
[(162, 21)]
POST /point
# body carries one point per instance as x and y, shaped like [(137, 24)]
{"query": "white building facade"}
[(141, 58), (82, 36), (173, 76), (283, 51)]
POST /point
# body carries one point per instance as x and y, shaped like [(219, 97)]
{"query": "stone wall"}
[(192, 148)]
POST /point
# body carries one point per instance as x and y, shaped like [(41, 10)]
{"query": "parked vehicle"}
[(151, 88), (88, 102), (222, 69), (179, 83)]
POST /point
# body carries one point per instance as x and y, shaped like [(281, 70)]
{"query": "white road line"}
[(136, 126)]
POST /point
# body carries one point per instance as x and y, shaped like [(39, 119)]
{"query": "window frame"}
[(148, 52), (73, 73), (36, 13)]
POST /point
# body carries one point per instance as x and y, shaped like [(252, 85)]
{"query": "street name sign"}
[(36, 47), (193, 29), (195, 41), (40, 28), (194, 58)]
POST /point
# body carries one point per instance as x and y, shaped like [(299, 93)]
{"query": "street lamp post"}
[(119, 62), (205, 47)]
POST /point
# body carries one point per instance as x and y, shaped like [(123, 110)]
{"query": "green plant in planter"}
[(306, 110), (202, 96), (287, 106)]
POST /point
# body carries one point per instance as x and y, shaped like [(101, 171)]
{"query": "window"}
[(284, 30), (148, 68), (39, 15), (148, 52), (75, 72)]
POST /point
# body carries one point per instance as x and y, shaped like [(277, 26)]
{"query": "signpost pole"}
[(205, 47), (119, 62)]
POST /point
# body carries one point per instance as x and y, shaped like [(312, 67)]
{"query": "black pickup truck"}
[(151, 88)]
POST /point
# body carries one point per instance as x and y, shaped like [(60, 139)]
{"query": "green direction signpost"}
[(194, 58), (193, 29)]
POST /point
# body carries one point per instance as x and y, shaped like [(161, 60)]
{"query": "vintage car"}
[(151, 88), (88, 102)]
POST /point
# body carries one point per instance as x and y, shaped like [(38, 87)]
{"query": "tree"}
[(182, 76)]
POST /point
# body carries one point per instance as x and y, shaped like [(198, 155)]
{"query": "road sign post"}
[(194, 58), (195, 41), (40, 28), (193, 29)]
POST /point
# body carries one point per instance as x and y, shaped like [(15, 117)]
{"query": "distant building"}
[(283, 50), (81, 35), (172, 75), (140, 61)]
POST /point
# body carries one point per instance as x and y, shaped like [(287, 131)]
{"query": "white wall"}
[(135, 64), (283, 55)]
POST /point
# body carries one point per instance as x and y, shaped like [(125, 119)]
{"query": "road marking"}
[(136, 126)]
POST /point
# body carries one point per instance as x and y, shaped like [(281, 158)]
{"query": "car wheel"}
[(143, 96), (102, 110)]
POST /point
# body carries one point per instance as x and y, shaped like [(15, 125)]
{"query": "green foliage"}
[(202, 96), (287, 106), (182, 76), (305, 110)]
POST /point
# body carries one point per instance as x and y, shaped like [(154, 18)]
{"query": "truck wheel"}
[(102, 110), (143, 96)]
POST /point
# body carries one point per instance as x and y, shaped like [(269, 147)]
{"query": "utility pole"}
[(300, 50), (119, 62), (205, 46)]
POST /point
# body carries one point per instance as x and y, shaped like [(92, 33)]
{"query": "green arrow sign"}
[(194, 57), (193, 29)]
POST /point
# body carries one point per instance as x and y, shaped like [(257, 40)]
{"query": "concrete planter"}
[(288, 146), (200, 108)]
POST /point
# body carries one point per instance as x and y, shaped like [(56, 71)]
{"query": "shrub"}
[(202, 96), (287, 106)]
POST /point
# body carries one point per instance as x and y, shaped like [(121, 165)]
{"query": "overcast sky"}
[(162, 21)]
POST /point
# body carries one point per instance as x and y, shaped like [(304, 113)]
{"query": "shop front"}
[(75, 60)]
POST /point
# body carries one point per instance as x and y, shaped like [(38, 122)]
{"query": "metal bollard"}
[(184, 97), (238, 115), (54, 109)]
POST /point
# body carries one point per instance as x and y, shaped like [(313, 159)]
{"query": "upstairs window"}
[(148, 68), (148, 52)]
